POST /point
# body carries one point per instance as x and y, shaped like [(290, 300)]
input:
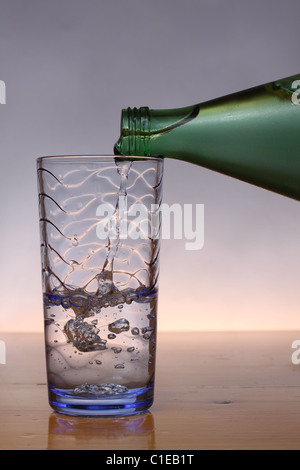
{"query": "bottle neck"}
[(135, 132), (141, 127)]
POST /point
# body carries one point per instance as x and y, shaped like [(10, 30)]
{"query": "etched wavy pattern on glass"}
[(73, 256)]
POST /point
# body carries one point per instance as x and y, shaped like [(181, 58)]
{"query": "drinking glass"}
[(100, 243)]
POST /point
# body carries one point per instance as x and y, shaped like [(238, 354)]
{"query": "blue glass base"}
[(134, 401)]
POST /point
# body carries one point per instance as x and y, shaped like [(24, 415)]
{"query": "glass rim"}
[(93, 158)]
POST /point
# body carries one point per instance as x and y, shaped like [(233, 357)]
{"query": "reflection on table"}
[(131, 432)]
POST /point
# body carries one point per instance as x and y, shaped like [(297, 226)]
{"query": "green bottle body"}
[(252, 135)]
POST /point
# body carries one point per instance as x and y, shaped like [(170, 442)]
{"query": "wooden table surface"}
[(213, 391)]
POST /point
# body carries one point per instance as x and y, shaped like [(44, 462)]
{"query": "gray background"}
[(71, 65)]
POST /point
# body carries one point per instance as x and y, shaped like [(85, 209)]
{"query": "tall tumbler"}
[(100, 243)]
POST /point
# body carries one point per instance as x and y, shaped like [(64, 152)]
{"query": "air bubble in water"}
[(101, 389), (84, 336), (119, 326), (146, 329), (135, 331)]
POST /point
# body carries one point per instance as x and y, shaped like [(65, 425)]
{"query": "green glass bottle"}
[(252, 135)]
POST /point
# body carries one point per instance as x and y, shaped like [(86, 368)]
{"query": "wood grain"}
[(213, 391)]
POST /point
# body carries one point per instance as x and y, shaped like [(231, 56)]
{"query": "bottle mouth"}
[(135, 129)]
